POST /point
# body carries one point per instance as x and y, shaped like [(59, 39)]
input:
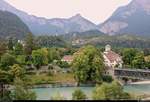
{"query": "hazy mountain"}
[(12, 26), (44, 26), (131, 19)]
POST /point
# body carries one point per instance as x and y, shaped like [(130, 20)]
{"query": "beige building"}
[(111, 60)]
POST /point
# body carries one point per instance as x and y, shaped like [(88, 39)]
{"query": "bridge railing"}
[(132, 73)]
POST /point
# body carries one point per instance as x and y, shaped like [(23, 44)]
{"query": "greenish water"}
[(138, 89), (46, 93)]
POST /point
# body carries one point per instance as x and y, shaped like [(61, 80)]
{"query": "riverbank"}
[(141, 82)]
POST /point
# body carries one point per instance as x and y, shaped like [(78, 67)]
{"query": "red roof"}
[(67, 58), (112, 56)]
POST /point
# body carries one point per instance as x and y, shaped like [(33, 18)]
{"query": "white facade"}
[(111, 59)]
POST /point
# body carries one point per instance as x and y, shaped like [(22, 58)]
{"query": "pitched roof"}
[(112, 56), (67, 58)]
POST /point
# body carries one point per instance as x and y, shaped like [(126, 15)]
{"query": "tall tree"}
[(53, 54), (10, 44), (18, 49), (29, 44), (3, 48), (88, 65), (39, 58)]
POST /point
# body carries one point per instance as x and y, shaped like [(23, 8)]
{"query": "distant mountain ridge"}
[(40, 25), (12, 26), (131, 19)]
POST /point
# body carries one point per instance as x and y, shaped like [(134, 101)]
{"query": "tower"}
[(107, 48)]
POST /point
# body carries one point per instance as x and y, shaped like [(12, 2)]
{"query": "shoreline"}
[(11, 87), (140, 83)]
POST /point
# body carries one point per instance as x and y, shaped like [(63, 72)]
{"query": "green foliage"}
[(63, 64), (10, 44), (128, 55), (7, 60), (39, 79), (107, 78), (29, 44), (107, 91), (21, 92), (147, 61), (21, 59), (5, 97), (78, 95), (5, 76), (50, 41), (3, 47), (53, 54), (122, 40), (88, 65), (133, 58), (39, 57), (17, 72), (138, 61), (12, 26), (18, 49), (57, 96)]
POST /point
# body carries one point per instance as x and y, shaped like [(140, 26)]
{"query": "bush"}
[(78, 95), (107, 78), (57, 96), (7, 60)]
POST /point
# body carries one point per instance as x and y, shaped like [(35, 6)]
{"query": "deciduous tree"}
[(88, 65)]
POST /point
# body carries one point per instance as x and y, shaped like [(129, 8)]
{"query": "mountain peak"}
[(130, 19), (77, 16), (143, 4), (141, 1)]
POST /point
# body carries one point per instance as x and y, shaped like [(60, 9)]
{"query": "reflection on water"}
[(46, 93)]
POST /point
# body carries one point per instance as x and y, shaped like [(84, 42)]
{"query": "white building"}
[(112, 59)]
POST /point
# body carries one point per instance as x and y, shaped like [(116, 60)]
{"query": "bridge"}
[(139, 74)]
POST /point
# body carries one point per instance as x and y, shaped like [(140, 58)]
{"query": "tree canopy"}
[(88, 64), (107, 91)]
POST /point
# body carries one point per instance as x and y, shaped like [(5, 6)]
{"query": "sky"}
[(96, 11)]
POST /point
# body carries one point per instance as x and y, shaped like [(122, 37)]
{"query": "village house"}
[(111, 60), (67, 58)]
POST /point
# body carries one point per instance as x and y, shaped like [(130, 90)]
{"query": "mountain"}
[(12, 26), (130, 19), (121, 40), (39, 25)]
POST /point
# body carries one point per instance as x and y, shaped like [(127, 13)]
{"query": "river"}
[(46, 93)]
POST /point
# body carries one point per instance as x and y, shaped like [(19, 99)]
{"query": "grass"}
[(63, 78), (45, 78), (39, 79)]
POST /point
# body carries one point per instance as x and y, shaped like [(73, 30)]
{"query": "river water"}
[(46, 93)]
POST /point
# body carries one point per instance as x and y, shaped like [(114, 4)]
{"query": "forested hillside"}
[(12, 26)]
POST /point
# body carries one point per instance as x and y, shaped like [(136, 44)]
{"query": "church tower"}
[(107, 48)]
